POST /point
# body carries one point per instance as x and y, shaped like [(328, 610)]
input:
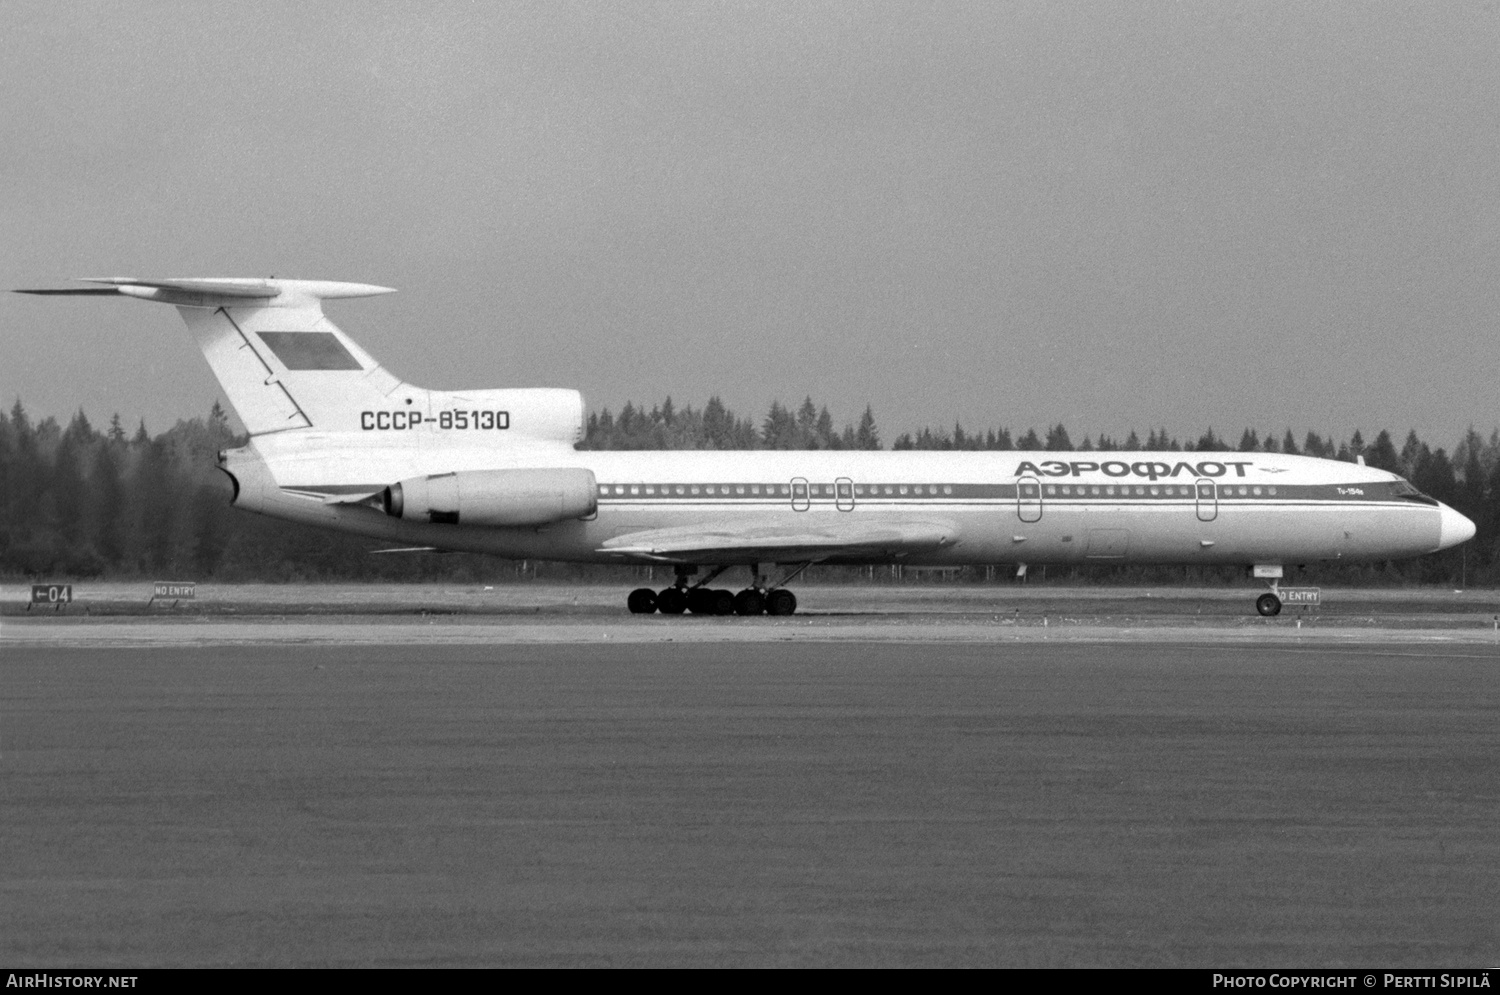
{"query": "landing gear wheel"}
[(1268, 604), (671, 601), (699, 601), (721, 602), (642, 601), (749, 602), (781, 602)]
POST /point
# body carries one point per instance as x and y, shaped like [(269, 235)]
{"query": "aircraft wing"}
[(783, 542)]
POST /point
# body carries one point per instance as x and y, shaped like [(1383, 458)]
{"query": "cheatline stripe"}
[(973, 495)]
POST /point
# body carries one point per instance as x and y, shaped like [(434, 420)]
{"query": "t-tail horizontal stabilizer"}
[(222, 291)]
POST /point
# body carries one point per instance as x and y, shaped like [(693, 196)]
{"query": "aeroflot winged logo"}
[(1152, 470)]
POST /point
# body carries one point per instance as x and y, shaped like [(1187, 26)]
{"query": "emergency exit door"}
[(843, 494), (1029, 499), (1208, 500), (801, 498)]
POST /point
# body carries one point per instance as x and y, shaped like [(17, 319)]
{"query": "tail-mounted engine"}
[(494, 497)]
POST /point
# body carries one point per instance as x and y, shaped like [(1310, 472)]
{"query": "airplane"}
[(338, 441)]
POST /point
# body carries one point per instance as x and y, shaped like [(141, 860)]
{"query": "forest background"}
[(77, 502)]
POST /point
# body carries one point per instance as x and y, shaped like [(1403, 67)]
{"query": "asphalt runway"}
[(119, 615), (808, 802)]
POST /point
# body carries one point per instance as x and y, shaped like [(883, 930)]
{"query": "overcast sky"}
[(1109, 215)]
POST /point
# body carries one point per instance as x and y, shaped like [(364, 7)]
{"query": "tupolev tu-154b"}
[(338, 441)]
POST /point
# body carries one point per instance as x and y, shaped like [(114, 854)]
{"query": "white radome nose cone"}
[(1453, 528)]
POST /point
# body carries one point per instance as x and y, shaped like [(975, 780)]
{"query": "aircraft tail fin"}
[(283, 365)]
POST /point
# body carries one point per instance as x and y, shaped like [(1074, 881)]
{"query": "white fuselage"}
[(996, 507)]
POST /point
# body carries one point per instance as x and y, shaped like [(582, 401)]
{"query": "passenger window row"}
[(696, 490), (769, 490), (930, 490), (993, 491)]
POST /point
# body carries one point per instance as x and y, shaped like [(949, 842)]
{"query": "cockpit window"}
[(1404, 489)]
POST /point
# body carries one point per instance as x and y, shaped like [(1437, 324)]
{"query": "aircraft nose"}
[(1453, 528)]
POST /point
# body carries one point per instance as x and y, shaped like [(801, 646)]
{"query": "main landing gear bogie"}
[(759, 599), (703, 601)]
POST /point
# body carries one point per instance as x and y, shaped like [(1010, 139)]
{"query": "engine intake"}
[(494, 497)]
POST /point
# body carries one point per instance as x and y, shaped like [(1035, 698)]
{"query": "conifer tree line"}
[(79, 502), (716, 427)]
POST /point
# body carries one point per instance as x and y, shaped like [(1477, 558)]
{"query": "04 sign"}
[(50, 594)]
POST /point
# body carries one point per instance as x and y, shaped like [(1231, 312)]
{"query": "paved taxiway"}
[(347, 799)]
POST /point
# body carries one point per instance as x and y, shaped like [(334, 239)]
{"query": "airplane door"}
[(1208, 500), (843, 494), (801, 500), (1029, 499)]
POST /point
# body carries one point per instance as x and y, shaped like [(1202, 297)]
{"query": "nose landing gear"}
[(1269, 604)]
